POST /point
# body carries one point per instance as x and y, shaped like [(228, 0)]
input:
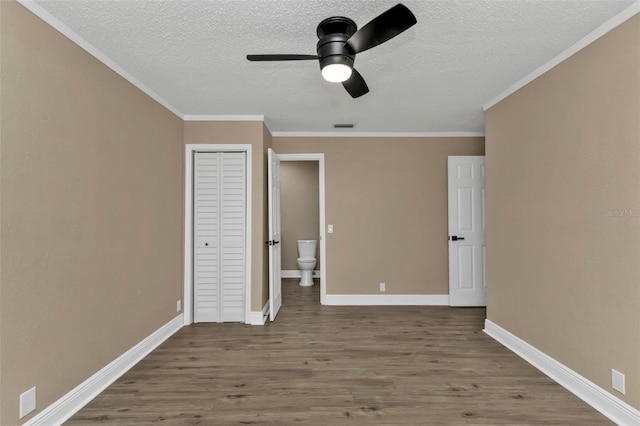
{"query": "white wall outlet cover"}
[(179, 305), (383, 287), (617, 381), (27, 402), (330, 229)]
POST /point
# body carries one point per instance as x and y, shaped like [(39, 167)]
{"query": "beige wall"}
[(387, 200), (563, 160), (91, 214), (300, 209), (252, 133)]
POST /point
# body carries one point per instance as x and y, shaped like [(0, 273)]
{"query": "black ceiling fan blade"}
[(382, 28), (355, 85), (281, 57)]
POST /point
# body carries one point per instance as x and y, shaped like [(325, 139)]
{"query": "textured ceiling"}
[(434, 77)]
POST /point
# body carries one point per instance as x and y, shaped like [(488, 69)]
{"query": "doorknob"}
[(456, 238)]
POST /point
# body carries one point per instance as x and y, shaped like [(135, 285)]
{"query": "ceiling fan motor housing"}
[(333, 33), (332, 50)]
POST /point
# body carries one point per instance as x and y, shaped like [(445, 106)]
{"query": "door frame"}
[(323, 248), (187, 296)]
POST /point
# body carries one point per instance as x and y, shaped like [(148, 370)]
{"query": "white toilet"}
[(307, 260)]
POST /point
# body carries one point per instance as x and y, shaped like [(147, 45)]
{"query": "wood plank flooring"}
[(335, 365)]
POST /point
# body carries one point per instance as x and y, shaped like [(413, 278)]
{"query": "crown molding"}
[(238, 117), (54, 22), (378, 134), (603, 29), (192, 117)]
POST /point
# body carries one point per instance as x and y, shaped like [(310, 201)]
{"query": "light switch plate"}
[(27, 402), (330, 229)]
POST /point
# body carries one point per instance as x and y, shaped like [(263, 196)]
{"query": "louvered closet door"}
[(232, 214), (219, 240)]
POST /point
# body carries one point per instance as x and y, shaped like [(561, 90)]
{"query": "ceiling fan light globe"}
[(336, 73)]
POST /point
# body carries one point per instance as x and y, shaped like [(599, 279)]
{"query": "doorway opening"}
[(303, 214)]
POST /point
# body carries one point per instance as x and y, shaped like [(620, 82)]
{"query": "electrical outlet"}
[(617, 381), (383, 287), (27, 402), (330, 229), (178, 305)]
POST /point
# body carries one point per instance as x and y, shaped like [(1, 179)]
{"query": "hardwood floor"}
[(334, 365)]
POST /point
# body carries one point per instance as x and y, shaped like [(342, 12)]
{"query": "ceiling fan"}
[(340, 41)]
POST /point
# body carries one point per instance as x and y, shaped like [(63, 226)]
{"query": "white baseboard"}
[(295, 273), (291, 274), (260, 317), (387, 299), (65, 407), (603, 401)]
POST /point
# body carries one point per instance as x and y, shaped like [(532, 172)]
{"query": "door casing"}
[(190, 150)]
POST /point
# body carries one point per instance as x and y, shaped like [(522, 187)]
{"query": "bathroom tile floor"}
[(334, 365)]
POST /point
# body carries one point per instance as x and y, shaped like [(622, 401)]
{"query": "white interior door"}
[(275, 248), (467, 245)]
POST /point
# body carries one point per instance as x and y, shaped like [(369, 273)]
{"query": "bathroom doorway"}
[(302, 214)]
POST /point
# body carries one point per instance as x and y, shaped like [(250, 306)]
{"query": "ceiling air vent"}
[(343, 126)]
